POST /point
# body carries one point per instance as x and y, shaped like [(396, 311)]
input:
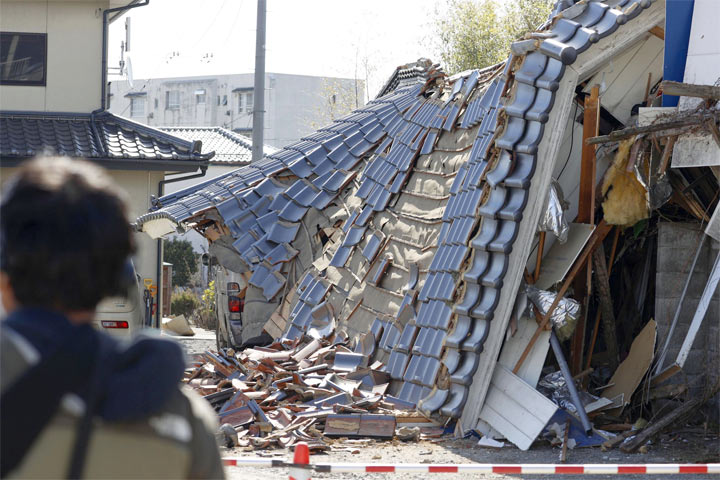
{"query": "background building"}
[(295, 105)]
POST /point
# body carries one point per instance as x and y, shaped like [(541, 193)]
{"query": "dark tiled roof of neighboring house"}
[(431, 184), (103, 137), (230, 148)]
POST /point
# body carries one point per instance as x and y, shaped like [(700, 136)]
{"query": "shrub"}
[(206, 314), (184, 303)]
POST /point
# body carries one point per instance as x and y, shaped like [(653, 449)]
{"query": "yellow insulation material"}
[(626, 200)]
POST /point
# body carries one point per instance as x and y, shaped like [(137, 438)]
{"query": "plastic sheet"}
[(554, 387), (563, 317), (553, 218)]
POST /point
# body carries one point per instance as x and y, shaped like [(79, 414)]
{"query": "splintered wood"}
[(305, 391)]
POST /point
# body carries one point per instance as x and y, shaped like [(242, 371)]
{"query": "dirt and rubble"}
[(684, 446)]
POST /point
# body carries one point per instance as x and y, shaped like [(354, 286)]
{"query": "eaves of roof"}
[(102, 137)]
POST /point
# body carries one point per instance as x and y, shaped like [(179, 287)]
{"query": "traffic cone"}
[(301, 457)]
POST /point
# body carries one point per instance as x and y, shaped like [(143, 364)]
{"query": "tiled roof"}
[(103, 136), (431, 182), (230, 148)]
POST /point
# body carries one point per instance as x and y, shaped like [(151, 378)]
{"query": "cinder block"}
[(679, 261), (670, 285), (665, 311), (685, 235), (695, 363), (713, 340)]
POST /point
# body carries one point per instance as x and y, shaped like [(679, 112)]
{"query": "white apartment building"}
[(295, 105)]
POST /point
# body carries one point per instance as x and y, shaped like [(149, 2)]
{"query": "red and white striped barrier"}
[(528, 469)]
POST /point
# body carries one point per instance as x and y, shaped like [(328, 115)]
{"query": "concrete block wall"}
[(677, 244)]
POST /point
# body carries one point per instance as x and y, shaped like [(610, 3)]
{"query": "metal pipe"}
[(103, 63), (259, 90), (158, 270), (661, 358), (565, 369)]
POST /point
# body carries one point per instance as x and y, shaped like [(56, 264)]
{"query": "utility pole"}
[(259, 100)]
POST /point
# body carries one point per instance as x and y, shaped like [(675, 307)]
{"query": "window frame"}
[(168, 96), (249, 102), (134, 99), (30, 83), (200, 96)]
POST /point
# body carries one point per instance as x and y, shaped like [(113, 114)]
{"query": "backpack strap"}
[(29, 404)]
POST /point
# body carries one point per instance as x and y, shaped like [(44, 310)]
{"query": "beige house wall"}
[(74, 54)]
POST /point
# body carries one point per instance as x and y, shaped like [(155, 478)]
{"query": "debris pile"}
[(312, 391)]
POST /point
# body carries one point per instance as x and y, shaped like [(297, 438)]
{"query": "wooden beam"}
[(597, 236), (689, 90), (714, 131), (591, 121), (538, 261), (596, 327), (686, 121), (602, 284), (658, 426), (665, 160), (586, 214), (665, 374), (658, 31)]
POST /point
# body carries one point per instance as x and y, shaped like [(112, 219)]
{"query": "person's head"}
[(64, 236)]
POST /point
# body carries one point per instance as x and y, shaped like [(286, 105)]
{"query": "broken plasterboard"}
[(650, 115), (696, 150), (515, 409), (178, 325), (558, 261), (631, 371), (514, 347)]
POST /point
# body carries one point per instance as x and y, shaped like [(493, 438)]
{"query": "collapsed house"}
[(409, 229)]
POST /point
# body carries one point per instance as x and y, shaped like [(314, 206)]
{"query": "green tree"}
[(477, 33), (180, 253)]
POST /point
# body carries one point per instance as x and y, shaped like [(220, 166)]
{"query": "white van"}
[(122, 317)]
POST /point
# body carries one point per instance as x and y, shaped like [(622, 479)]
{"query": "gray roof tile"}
[(230, 148), (27, 134)]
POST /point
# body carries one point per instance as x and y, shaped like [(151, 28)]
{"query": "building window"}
[(137, 106), (172, 99), (200, 97), (224, 101), (156, 104), (245, 101), (23, 58)]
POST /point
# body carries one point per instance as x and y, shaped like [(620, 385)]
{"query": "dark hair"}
[(65, 239)]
